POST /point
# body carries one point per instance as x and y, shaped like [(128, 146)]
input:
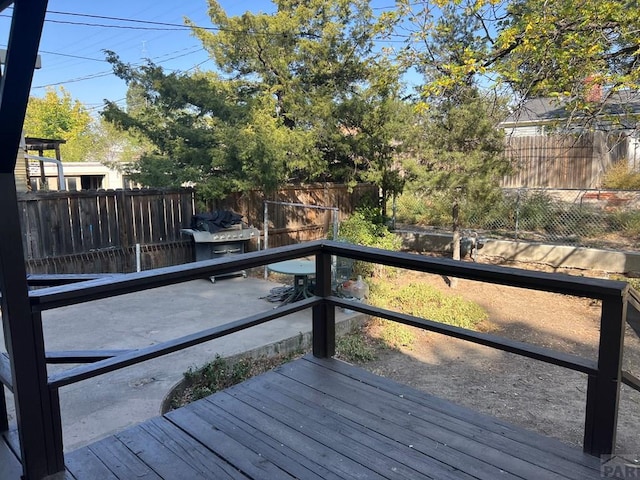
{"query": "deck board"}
[(247, 434), (485, 422), (391, 413), (324, 419), (466, 443), (9, 465)]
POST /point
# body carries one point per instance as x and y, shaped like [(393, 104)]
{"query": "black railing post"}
[(603, 390), (37, 417), (324, 316), (4, 417)]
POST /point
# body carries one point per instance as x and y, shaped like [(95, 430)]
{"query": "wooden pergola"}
[(41, 145)]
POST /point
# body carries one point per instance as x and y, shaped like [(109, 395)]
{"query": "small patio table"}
[(301, 271)]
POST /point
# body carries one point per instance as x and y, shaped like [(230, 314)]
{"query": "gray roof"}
[(542, 110)]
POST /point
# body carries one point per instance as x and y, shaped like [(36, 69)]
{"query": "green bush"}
[(217, 375), (365, 228), (435, 209), (222, 373), (414, 208), (621, 177), (537, 212)]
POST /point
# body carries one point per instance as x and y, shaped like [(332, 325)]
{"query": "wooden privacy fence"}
[(97, 231), (563, 161), (292, 224)]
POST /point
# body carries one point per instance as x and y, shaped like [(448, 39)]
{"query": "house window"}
[(91, 182)]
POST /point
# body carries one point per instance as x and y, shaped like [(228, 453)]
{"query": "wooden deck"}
[(325, 419)]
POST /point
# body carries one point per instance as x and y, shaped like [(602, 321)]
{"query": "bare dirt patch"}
[(529, 393)]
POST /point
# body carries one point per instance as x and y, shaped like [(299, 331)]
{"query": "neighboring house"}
[(40, 166), (553, 148), (79, 176)]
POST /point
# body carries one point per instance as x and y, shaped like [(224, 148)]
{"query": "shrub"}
[(625, 221), (435, 209), (621, 177), (365, 228), (537, 212), (222, 373), (415, 208)]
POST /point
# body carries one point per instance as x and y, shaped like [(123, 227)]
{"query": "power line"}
[(189, 51), (78, 79), (132, 20), (158, 26), (73, 56)]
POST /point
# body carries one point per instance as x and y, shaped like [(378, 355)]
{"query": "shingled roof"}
[(543, 110)]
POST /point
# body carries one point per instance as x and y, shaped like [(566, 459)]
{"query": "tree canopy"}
[(57, 116), (297, 92), (305, 94), (530, 48)]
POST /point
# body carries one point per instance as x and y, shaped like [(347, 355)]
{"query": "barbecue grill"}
[(226, 241)]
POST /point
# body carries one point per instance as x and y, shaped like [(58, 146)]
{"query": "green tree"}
[(556, 48), (384, 128), (461, 158), (562, 48), (115, 147), (282, 109), (57, 116), (313, 57), (184, 119), (462, 150)]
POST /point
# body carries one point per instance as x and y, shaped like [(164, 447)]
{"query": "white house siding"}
[(525, 131), (74, 171)]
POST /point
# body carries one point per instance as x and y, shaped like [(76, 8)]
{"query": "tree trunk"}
[(453, 282), (383, 205)]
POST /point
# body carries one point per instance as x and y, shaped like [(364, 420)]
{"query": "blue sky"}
[(72, 54)]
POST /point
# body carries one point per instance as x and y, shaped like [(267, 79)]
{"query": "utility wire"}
[(158, 26), (110, 72), (132, 20)]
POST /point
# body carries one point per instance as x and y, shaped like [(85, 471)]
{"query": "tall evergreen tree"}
[(297, 92)]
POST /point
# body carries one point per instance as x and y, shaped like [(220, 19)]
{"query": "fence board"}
[(75, 222), (103, 220), (563, 161), (66, 233), (112, 219), (33, 223), (96, 231), (65, 223), (89, 220)]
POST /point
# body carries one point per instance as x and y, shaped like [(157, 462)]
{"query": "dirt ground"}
[(529, 393)]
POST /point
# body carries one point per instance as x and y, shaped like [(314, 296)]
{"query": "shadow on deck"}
[(322, 419)]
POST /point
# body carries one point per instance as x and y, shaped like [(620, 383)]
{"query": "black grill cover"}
[(215, 221)]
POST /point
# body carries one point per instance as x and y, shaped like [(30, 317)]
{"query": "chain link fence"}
[(530, 215)]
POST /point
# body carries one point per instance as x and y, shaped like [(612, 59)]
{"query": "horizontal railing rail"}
[(82, 356), (72, 294), (547, 355), (549, 282), (6, 377), (631, 380), (604, 374), (159, 349)]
